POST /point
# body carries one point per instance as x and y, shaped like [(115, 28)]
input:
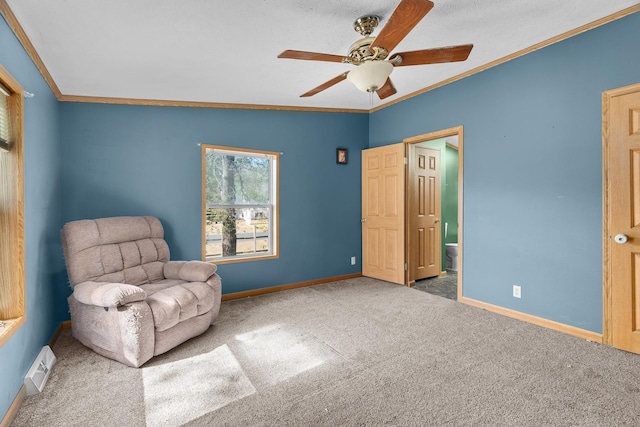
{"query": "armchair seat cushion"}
[(173, 301)]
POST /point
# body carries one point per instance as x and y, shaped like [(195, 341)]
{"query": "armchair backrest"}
[(123, 249)]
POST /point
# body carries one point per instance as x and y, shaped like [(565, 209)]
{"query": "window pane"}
[(240, 194), (239, 231), (234, 179), (4, 118)]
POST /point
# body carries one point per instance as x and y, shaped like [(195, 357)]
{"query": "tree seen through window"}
[(240, 203)]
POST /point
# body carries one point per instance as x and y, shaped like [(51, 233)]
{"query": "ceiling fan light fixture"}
[(370, 75)]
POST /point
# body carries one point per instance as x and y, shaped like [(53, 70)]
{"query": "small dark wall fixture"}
[(341, 156)]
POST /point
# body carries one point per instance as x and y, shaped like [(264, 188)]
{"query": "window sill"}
[(10, 327), (241, 259)]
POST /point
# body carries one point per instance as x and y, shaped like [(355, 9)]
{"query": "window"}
[(240, 204), (12, 275), (5, 95)]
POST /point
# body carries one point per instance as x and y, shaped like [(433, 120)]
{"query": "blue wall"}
[(532, 169), (450, 200), (46, 287), (532, 180), (135, 160)]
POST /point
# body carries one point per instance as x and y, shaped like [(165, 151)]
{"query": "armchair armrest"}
[(105, 294), (191, 271)]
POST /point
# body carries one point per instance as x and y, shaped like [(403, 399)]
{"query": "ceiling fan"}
[(370, 54)]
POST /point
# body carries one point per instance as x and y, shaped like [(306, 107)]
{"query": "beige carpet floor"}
[(359, 352)]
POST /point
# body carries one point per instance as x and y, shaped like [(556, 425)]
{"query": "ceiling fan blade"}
[(402, 20), (325, 85), (387, 89), (434, 56), (310, 56)]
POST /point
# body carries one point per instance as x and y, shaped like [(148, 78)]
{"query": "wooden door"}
[(383, 213), (424, 213), (622, 222)]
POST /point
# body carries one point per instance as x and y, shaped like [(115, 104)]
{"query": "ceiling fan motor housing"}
[(361, 51)]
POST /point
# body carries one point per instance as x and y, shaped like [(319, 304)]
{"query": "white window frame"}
[(272, 206)]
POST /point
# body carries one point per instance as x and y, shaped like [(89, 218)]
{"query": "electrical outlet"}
[(353, 260), (517, 291)]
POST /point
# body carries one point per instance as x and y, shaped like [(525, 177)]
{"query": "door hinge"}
[(406, 266), (406, 161)]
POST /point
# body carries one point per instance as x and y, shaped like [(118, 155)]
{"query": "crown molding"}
[(17, 29), (597, 23), (11, 19), (222, 105)]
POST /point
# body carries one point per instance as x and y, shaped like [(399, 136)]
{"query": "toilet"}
[(451, 250)]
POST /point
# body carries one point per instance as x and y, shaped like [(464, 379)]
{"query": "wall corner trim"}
[(262, 291), (539, 321), (574, 32), (14, 408), (17, 402)]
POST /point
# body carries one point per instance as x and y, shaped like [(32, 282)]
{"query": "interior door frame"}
[(607, 309), (454, 131)]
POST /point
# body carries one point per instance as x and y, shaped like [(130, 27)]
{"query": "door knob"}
[(437, 220), (363, 219), (621, 239)]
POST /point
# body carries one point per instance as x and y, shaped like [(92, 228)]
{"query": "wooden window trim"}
[(276, 206), (12, 242)]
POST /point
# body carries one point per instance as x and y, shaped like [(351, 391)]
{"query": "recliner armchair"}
[(129, 302)]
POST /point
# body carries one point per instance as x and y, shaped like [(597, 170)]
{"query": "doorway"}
[(386, 253), (441, 273)]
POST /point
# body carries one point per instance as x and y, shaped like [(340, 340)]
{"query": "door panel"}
[(623, 195), (383, 213), (424, 212)]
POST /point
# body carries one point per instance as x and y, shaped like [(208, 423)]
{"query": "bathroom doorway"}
[(445, 234)]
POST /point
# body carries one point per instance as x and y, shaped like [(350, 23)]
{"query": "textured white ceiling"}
[(226, 51)]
